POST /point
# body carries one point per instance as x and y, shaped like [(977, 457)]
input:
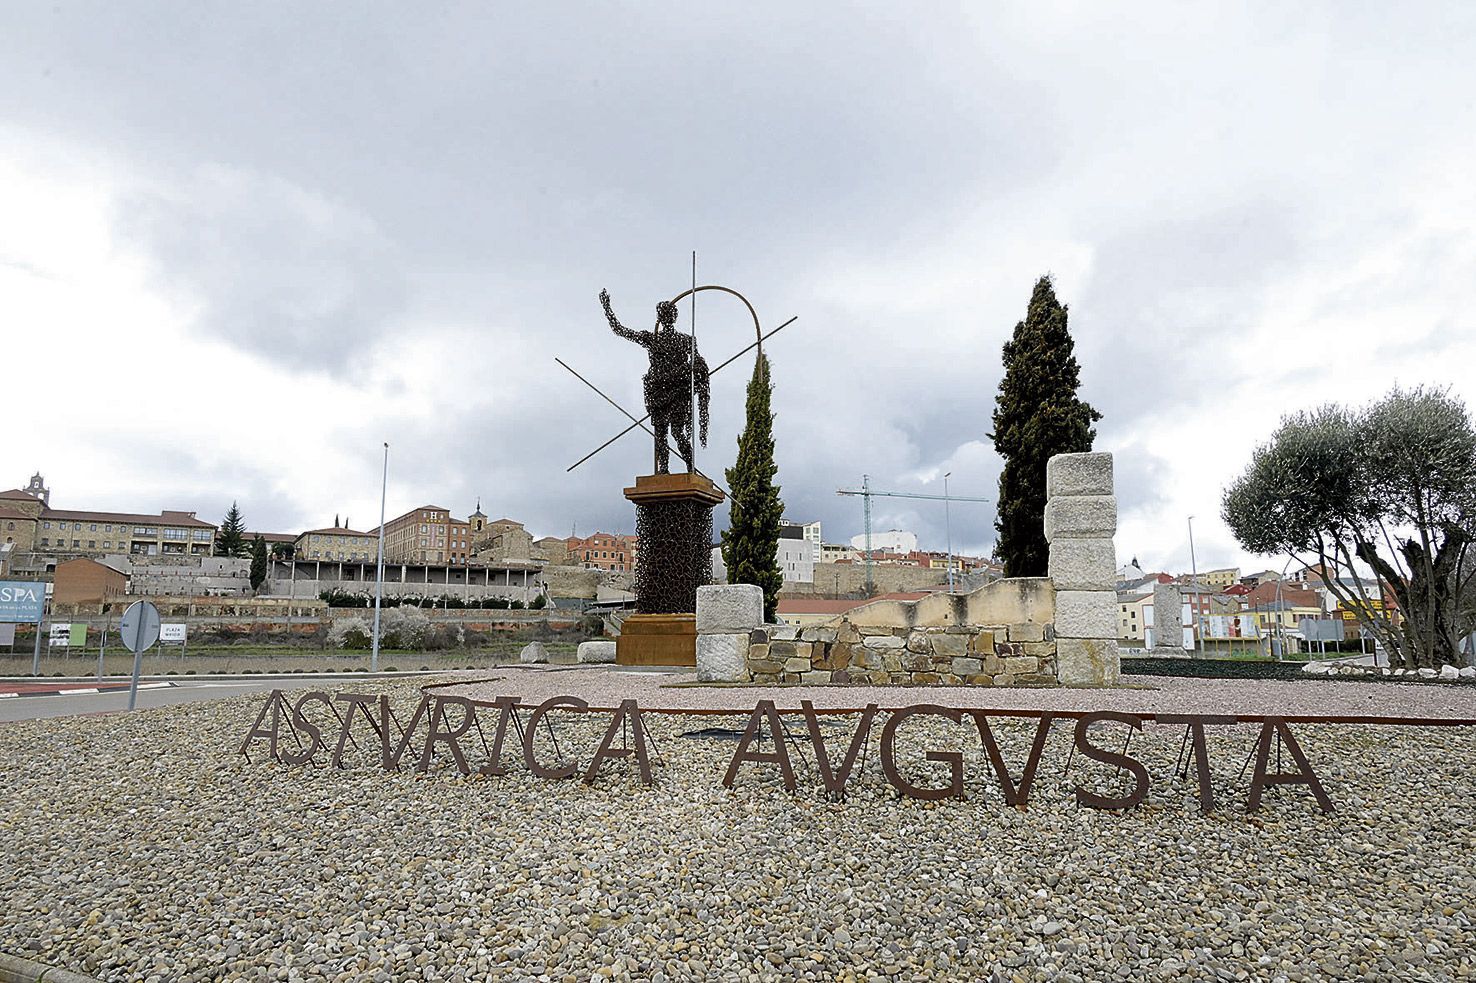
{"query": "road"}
[(14, 708)]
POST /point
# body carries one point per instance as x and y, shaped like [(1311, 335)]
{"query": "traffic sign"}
[(140, 626), (140, 630)]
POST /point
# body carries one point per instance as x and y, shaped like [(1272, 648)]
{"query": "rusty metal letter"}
[(275, 702), (315, 735), (1200, 750), (567, 771), (388, 760), (763, 712), (438, 733), (628, 712), (1272, 726), (1092, 800), (835, 782), (507, 708), (953, 759), (1014, 795), (359, 702)]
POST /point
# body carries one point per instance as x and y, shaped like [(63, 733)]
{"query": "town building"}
[(31, 524), (604, 551), (87, 581), (838, 553), (499, 540), (891, 541), (1220, 578), (1132, 619), (428, 534), (337, 543)]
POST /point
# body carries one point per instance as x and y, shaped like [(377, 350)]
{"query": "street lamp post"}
[(1194, 591), (948, 531), (379, 574)]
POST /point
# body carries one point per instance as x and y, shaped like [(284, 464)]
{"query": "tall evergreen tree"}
[(751, 542), (231, 539), (258, 562), (1036, 415)]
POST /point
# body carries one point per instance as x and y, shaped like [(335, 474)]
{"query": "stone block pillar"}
[(1168, 620), (726, 615), (1080, 521)]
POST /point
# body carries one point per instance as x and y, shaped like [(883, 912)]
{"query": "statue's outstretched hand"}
[(605, 299)]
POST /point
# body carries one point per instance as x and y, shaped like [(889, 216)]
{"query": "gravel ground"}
[(143, 848), (676, 690)]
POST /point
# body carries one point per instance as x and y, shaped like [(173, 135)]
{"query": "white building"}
[(796, 558), (891, 541), (837, 553)]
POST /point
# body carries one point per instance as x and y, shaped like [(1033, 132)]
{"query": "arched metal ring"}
[(757, 329)]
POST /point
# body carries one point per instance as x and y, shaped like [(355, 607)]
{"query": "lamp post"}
[(379, 574), (948, 531), (1193, 591)]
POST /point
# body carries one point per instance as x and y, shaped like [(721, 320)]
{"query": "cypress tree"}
[(751, 542), (258, 562), (231, 539), (1036, 415)]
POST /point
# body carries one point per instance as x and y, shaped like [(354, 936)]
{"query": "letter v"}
[(1016, 796), (835, 782)]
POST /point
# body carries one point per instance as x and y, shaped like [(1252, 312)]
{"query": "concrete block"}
[(597, 652), (1087, 662), (1082, 564), (1086, 517), (722, 658), (724, 609), (1086, 614), (1079, 474)]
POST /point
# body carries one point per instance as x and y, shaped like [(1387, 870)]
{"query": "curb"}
[(217, 677), (82, 691), (14, 969)]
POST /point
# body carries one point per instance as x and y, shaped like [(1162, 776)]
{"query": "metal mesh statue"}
[(676, 370)]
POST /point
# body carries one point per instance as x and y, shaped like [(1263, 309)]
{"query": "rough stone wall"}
[(999, 655), (850, 579), (1080, 522)]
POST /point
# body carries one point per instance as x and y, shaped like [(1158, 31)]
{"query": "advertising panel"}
[(22, 600), (61, 635), (172, 633)]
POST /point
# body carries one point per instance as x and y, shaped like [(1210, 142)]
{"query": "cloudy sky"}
[(243, 244)]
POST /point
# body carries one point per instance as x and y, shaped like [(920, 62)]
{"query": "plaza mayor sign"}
[(447, 723)]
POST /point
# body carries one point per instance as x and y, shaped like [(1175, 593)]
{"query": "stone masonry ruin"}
[(1036, 631)]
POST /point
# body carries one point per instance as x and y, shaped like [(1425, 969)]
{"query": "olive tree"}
[(1390, 489)]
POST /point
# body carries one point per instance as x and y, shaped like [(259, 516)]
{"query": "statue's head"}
[(666, 314)]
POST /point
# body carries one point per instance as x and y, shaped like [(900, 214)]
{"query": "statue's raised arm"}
[(642, 338)]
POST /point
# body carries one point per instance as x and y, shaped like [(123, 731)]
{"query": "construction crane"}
[(867, 494)]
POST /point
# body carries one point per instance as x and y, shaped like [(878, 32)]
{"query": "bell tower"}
[(38, 488)]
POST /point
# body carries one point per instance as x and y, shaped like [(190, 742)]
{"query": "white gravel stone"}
[(533, 653), (1450, 673), (600, 651), (722, 658), (729, 608), (1469, 672), (143, 847)]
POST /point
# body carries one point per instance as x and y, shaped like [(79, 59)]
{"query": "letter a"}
[(764, 712)]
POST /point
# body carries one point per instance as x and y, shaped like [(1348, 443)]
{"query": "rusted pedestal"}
[(674, 522), (657, 640)]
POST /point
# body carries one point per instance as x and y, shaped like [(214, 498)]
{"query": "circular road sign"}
[(140, 626)]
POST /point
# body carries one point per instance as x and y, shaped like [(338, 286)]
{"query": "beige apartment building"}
[(429, 534), (29, 522), (336, 543)]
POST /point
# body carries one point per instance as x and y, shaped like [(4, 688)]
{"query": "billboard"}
[(1320, 630), (7, 633), (22, 600), (1228, 626)]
